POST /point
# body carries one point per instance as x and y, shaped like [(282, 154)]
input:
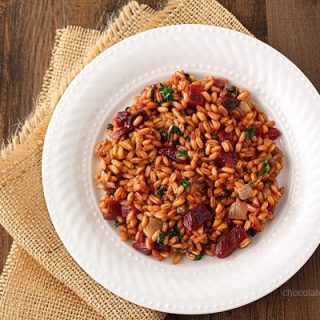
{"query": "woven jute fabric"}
[(40, 279)]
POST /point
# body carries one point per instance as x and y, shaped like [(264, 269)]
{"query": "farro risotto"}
[(190, 169)]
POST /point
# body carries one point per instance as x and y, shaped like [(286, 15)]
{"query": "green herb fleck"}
[(175, 129), (234, 90), (160, 238), (117, 223), (167, 93), (199, 256), (182, 154), (250, 132), (185, 183), (161, 192), (110, 126), (174, 233), (265, 168)]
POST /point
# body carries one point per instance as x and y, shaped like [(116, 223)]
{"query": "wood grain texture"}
[(27, 30)]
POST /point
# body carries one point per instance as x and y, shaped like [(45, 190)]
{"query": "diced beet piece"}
[(113, 210), (195, 96), (188, 221), (258, 132), (120, 132), (230, 241), (228, 159), (196, 217), (273, 133), (126, 209), (162, 247), (219, 83), (142, 237), (140, 106), (222, 135), (172, 152), (230, 102), (123, 118), (169, 151), (201, 214), (124, 122), (141, 247)]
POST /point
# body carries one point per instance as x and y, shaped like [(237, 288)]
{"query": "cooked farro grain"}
[(190, 169)]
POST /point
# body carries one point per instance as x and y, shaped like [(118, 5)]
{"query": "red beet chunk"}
[(142, 237), (124, 122), (173, 153), (219, 83), (126, 209), (230, 102), (113, 210), (258, 132), (120, 132), (141, 247), (196, 217), (162, 247), (123, 119), (273, 133), (140, 106), (195, 96), (228, 159), (222, 135), (188, 222), (230, 241)]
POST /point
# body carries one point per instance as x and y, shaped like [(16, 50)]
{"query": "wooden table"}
[(27, 31)]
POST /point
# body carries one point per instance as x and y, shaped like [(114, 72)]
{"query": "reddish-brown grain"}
[(226, 155)]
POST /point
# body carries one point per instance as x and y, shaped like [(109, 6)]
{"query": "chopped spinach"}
[(199, 256), (166, 93), (250, 132), (182, 154), (160, 238), (266, 167), (161, 191), (185, 183)]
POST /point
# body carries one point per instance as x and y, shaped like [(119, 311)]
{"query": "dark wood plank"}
[(251, 13), (5, 244), (27, 31), (293, 29)]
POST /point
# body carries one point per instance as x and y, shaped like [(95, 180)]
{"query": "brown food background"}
[(27, 30)]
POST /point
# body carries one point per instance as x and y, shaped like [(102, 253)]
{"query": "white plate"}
[(107, 85)]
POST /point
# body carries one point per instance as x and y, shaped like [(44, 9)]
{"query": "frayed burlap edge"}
[(7, 268)]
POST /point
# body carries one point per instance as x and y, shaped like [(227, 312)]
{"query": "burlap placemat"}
[(40, 279)]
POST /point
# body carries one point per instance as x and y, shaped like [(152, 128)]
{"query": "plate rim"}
[(128, 40)]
